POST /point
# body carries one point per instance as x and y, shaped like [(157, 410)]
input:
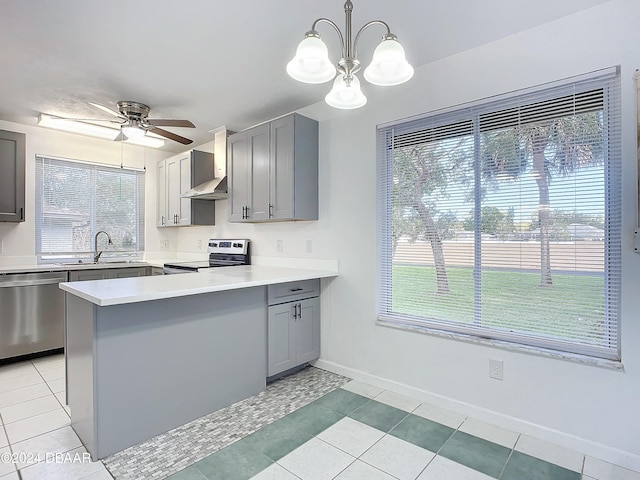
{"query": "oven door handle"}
[(172, 271)]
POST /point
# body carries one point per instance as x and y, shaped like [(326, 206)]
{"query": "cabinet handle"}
[(295, 311), (175, 219), (21, 213), (299, 310), (296, 289), (244, 212), (270, 211), (162, 223)]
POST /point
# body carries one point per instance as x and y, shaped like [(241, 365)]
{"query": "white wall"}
[(589, 408), (18, 239)]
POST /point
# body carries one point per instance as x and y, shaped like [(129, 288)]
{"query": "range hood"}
[(215, 188)]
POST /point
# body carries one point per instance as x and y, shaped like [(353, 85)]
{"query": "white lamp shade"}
[(133, 132), (311, 63), (389, 65), (346, 96)]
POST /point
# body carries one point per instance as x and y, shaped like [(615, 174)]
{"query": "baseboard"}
[(572, 442)]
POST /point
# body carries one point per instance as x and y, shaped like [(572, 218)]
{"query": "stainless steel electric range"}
[(222, 253)]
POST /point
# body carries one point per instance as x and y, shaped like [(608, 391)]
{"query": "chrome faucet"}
[(95, 245)]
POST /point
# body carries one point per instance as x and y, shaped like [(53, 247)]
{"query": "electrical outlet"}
[(309, 246), (279, 246), (199, 244), (164, 244), (496, 369)]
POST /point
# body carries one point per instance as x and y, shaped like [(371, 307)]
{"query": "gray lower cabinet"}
[(12, 178), (293, 328), (104, 273)]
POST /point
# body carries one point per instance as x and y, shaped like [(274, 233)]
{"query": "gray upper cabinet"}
[(248, 175), (273, 171), (176, 175), (161, 194), (12, 179)]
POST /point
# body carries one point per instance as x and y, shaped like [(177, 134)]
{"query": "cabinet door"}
[(127, 272), (184, 209), (81, 275), (281, 338), (259, 152), (308, 331), (238, 176), (12, 178), (161, 194), (282, 169), (173, 190)]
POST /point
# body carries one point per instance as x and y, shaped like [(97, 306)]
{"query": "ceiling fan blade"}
[(108, 110), (157, 122), (171, 136)]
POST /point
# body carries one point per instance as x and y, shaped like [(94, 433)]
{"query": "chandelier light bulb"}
[(311, 63), (346, 93), (389, 65)]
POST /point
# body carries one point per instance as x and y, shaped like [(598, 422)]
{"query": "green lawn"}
[(573, 307)]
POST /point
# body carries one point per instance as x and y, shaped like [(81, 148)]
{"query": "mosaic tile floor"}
[(171, 452), (310, 426)]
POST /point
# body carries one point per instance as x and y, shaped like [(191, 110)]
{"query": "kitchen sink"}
[(104, 262)]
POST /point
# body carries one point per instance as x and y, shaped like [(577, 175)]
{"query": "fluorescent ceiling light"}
[(74, 126), (92, 130)]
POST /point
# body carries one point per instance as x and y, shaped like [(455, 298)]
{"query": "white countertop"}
[(141, 289), (63, 267)]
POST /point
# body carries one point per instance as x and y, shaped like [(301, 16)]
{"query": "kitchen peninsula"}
[(145, 355)]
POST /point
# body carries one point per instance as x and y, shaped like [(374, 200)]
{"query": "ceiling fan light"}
[(346, 94), (389, 65), (146, 141), (131, 131), (311, 63)]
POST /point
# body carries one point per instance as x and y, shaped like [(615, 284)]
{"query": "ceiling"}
[(217, 62)]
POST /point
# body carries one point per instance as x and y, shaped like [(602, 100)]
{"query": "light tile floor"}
[(312, 425)]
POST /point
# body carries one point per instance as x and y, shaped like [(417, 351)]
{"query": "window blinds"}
[(74, 200), (502, 220)]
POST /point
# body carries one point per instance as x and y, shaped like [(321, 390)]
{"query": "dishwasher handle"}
[(31, 283)]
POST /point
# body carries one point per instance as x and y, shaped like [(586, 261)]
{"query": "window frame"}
[(87, 256), (609, 81)]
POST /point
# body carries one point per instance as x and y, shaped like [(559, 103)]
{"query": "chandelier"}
[(311, 63)]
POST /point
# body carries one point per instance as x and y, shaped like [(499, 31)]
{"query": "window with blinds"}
[(75, 200), (502, 220)]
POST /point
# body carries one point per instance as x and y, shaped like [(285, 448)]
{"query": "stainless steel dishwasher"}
[(32, 310)]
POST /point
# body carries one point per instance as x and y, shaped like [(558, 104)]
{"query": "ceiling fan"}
[(134, 122)]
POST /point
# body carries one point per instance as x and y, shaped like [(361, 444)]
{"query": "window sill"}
[(514, 347)]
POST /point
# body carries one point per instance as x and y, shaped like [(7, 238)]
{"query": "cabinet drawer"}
[(292, 291)]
